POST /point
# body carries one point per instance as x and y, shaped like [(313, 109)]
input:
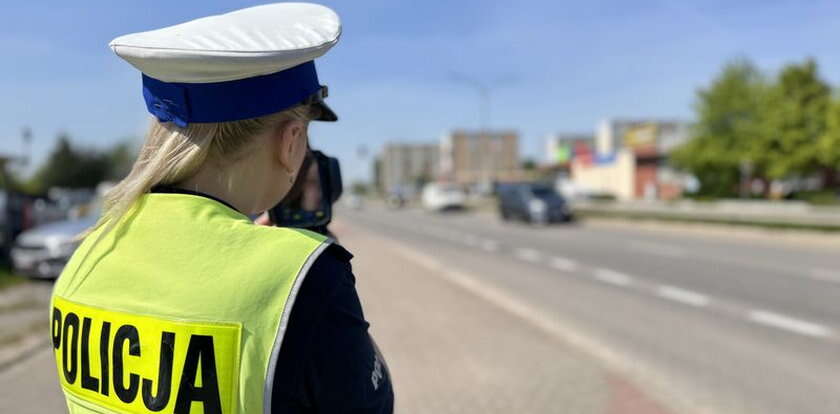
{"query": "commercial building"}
[(562, 148), (405, 167), (645, 135), (480, 158), (630, 160)]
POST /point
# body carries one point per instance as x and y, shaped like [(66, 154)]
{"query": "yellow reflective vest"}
[(181, 308)]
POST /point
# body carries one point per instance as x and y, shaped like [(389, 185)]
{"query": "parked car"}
[(42, 252), (443, 197), (533, 203)]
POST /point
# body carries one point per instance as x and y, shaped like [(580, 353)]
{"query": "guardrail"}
[(782, 214)]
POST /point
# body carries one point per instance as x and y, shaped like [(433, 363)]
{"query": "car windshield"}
[(543, 192)]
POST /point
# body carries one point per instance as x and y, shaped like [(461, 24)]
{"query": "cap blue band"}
[(184, 103)]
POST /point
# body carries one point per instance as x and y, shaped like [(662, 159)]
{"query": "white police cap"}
[(239, 65)]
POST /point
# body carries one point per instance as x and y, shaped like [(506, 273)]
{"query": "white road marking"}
[(564, 264), (490, 245), (789, 324), (682, 295), (573, 334), (763, 317), (612, 277), (528, 255), (825, 275), (657, 248)]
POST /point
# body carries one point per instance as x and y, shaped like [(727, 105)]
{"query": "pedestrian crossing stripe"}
[(145, 364)]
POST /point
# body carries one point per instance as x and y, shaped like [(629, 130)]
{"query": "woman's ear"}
[(291, 145)]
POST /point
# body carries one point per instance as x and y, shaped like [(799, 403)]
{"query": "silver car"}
[(42, 252)]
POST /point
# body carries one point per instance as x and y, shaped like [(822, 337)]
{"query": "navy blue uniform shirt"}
[(328, 363)]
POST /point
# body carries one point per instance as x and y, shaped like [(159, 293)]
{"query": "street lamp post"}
[(26, 137), (488, 163)]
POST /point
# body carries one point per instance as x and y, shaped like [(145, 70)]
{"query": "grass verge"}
[(7, 278), (777, 225)]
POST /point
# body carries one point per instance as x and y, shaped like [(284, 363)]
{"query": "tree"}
[(828, 145), (529, 164), (796, 117), (730, 115), (378, 180), (71, 167), (359, 188), (120, 160)]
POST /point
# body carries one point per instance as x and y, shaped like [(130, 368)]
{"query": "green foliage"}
[(120, 160), (729, 123), (421, 180), (828, 145), (7, 278), (8, 179), (782, 129), (377, 175), (359, 188), (795, 120), (529, 164), (820, 198), (69, 166)]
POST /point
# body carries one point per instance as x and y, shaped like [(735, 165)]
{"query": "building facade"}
[(404, 167), (631, 159), (562, 148), (480, 158), (640, 135)]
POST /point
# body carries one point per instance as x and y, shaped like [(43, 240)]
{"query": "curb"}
[(679, 217)]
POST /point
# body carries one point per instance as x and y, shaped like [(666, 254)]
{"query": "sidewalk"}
[(24, 320), (450, 351), (31, 386), (28, 382)]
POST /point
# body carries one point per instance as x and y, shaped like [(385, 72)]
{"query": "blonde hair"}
[(171, 154)]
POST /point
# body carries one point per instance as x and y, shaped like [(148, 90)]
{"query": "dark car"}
[(532, 202)]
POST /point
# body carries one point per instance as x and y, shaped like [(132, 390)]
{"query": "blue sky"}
[(552, 66)]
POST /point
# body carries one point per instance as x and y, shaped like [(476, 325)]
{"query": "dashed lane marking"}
[(564, 264), (685, 296), (490, 245), (790, 324), (682, 295), (528, 255), (612, 277), (825, 275), (565, 331)]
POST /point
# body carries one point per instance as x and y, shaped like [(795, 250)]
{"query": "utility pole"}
[(26, 137), (488, 160)]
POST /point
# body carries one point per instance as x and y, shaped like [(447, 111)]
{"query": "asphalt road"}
[(704, 324), (474, 315), (448, 348)]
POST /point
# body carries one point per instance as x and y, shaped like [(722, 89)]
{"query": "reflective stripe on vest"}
[(181, 308)]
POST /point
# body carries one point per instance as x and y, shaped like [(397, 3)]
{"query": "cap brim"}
[(327, 114)]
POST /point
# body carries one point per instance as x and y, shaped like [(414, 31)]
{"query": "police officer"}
[(176, 302)]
